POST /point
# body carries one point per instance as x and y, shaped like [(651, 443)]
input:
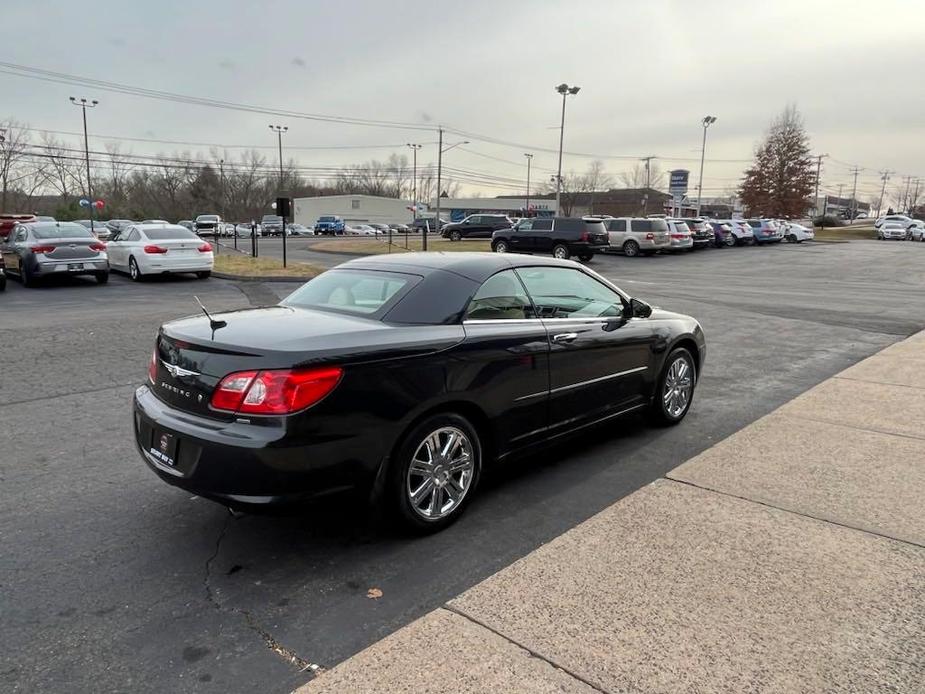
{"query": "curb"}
[(268, 278)]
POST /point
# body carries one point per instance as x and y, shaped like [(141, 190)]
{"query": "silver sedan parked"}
[(41, 249)]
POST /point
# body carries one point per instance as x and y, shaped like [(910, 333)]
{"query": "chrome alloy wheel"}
[(679, 384), (440, 473)]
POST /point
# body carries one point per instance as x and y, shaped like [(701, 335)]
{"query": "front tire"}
[(675, 389), (561, 252), (500, 247), (455, 236), (102, 278), (435, 472), (631, 249), (731, 240)]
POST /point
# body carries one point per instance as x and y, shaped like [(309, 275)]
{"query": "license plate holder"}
[(164, 447), (75, 266)]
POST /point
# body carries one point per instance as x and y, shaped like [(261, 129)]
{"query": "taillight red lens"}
[(650, 236), (97, 246), (275, 392), (43, 249), (205, 248), (585, 236), (155, 249), (152, 366)]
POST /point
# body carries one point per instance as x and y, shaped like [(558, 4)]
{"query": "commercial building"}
[(843, 207), (616, 202), (456, 209), (359, 209)]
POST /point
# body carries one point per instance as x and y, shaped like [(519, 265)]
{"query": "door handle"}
[(565, 337)]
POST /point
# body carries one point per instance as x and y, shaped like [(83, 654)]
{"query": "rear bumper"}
[(243, 464), (47, 268)]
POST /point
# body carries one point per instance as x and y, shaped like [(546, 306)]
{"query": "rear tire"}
[(731, 240), (24, 277), (133, 272), (3, 283), (204, 275), (674, 390), (561, 252), (631, 249), (586, 257), (423, 514), (500, 247), (102, 277)]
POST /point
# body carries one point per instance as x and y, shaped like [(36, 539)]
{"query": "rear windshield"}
[(682, 227), (65, 231), (595, 227), (327, 219), (167, 234), (207, 218), (362, 292)]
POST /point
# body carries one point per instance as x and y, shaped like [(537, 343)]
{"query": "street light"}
[(707, 122), (414, 179), (279, 130), (84, 105), (440, 151), (564, 90), (529, 161)]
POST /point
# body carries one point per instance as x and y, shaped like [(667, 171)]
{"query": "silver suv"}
[(638, 236)]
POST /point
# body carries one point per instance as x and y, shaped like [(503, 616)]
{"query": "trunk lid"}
[(70, 249), (192, 358)]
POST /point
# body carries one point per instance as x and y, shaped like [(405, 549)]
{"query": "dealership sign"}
[(677, 183)]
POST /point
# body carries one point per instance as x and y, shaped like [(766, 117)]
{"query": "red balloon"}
[(99, 204)]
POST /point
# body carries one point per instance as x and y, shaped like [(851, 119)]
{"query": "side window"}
[(501, 297), (525, 225), (133, 235), (475, 219), (566, 293), (21, 235), (641, 225), (542, 225), (616, 225)]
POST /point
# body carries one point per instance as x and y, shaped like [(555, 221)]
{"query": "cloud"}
[(298, 62)]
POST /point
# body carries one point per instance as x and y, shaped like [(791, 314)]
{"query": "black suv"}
[(561, 236), (701, 232), (476, 226)]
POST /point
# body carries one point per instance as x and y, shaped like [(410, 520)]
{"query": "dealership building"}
[(456, 209), (356, 209)]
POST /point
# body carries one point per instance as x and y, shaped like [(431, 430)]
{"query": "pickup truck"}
[(272, 225), (330, 224)]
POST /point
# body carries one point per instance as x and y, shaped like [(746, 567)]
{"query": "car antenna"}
[(214, 324)]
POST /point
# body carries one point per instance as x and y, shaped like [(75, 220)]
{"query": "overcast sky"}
[(648, 72)]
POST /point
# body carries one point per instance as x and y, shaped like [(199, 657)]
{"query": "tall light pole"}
[(529, 161), (818, 174), (279, 130), (885, 176), (706, 122), (84, 105), (440, 151), (414, 180), (564, 90)]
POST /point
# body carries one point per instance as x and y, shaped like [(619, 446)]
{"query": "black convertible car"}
[(402, 377)]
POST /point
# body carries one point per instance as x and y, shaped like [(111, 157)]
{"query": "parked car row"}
[(34, 250), (900, 227), (332, 225)]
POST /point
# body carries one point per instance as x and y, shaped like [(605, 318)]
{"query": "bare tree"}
[(15, 140), (636, 178)]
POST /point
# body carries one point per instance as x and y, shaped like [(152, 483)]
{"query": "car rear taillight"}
[(276, 392), (678, 236), (152, 367), (155, 249), (97, 247), (43, 249), (585, 236), (650, 236), (205, 248)]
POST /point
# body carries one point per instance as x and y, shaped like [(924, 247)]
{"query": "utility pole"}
[(564, 90), (440, 151), (854, 195), (706, 122), (414, 183), (915, 198), (645, 195), (906, 194), (884, 176), (529, 161), (279, 130), (84, 105), (816, 194)]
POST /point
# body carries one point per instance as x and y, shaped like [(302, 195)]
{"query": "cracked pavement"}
[(113, 581)]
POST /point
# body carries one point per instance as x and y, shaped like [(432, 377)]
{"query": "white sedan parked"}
[(797, 233), (916, 230), (154, 249)]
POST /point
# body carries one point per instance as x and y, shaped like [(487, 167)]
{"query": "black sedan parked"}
[(42, 249), (403, 377)]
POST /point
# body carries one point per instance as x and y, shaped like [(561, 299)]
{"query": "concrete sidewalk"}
[(788, 558)]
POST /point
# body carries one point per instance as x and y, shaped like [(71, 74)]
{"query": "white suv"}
[(898, 218)]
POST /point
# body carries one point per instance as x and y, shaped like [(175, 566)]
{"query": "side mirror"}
[(639, 309)]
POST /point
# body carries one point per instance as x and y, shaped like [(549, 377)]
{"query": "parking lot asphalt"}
[(113, 581)]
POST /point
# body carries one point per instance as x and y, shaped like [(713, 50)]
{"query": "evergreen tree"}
[(780, 182)]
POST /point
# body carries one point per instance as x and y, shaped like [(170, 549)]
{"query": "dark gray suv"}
[(563, 237)]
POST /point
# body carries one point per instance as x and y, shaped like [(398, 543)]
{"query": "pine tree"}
[(780, 181)]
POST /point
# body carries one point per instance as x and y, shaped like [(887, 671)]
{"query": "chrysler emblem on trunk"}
[(177, 371)]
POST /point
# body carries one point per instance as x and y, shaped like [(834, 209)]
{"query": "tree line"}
[(48, 175)]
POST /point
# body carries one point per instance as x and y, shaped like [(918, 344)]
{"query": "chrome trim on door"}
[(565, 337), (572, 386)]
